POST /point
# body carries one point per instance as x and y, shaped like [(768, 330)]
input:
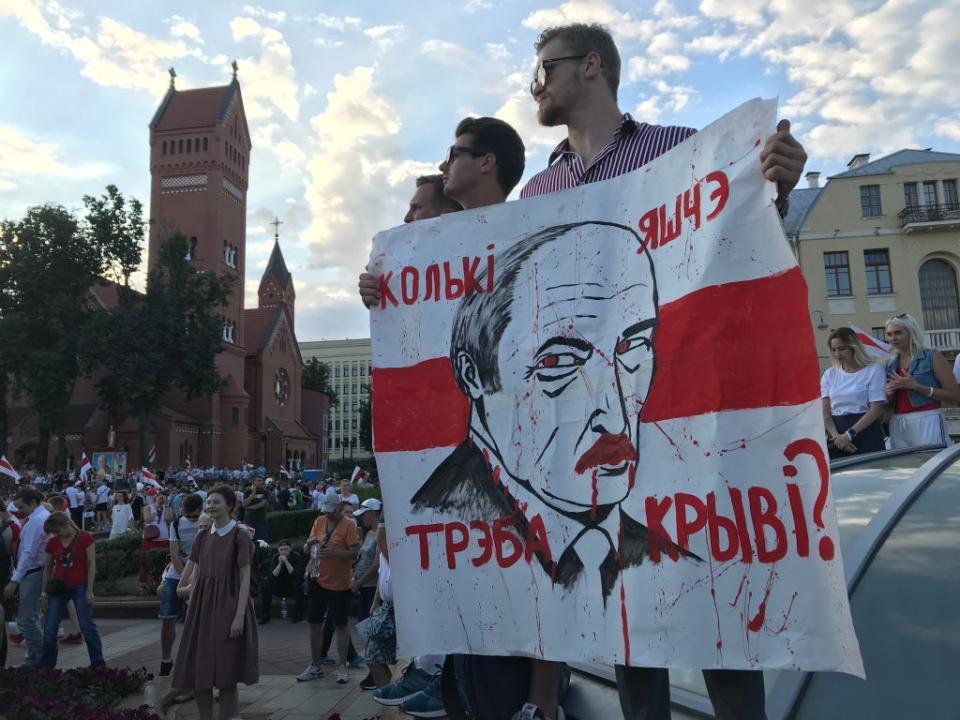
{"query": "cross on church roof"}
[(236, 69), (277, 222), (173, 75)]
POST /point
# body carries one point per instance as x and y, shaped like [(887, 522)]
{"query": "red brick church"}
[(199, 160)]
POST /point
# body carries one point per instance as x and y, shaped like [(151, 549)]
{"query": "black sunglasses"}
[(455, 150), (541, 72)]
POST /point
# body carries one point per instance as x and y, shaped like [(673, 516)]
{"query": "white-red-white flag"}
[(85, 466), (152, 455), (148, 478), (358, 474), (875, 347), (7, 469), (188, 462), (284, 472)]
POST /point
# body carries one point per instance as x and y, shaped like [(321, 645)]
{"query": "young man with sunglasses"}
[(183, 531), (575, 84)]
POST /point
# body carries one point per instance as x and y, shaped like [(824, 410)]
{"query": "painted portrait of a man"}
[(557, 362)]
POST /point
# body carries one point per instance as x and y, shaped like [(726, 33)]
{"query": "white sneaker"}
[(343, 675), (311, 673)]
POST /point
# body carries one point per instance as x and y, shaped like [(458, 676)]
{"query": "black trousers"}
[(735, 694)]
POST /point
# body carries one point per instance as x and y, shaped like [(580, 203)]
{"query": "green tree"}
[(163, 339), (316, 376), (49, 260), (366, 423)]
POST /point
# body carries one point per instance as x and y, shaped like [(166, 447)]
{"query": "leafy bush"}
[(122, 557), (290, 523), (82, 694)]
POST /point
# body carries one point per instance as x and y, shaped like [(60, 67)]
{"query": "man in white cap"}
[(332, 549)]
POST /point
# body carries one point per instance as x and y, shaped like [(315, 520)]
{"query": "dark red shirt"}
[(70, 563), (633, 146)]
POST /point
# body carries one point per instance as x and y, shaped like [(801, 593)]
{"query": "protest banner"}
[(598, 426)]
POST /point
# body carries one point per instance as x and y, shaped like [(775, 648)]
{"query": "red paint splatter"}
[(624, 625), (593, 495), (757, 623)]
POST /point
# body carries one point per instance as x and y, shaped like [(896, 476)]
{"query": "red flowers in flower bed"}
[(87, 694)]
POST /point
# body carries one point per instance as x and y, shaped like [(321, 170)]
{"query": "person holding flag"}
[(853, 397)]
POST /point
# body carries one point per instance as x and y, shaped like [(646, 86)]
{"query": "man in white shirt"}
[(75, 499), (102, 503), (28, 575)]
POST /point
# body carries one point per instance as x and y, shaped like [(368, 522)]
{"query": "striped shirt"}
[(633, 146)]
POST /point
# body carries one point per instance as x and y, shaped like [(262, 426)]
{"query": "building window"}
[(204, 144), (930, 193), (910, 197), (336, 371), (281, 387), (191, 248), (196, 144), (179, 146), (950, 195), (879, 332), (164, 151), (939, 296), (877, 264), (870, 200), (837, 267), (236, 416)]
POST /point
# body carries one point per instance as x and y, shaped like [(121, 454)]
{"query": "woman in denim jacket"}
[(919, 380)]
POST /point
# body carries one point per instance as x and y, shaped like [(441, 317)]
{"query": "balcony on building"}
[(928, 218)]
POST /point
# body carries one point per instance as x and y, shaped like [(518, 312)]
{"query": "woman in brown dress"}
[(219, 645)]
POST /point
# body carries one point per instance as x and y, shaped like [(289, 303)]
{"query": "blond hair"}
[(848, 336), (909, 323)]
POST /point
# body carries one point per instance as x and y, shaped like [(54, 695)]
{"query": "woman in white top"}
[(122, 515), (853, 397)]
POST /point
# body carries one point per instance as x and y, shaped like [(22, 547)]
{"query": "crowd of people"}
[(342, 569)]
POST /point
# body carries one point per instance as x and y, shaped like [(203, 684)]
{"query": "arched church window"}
[(196, 144), (180, 146), (164, 151), (189, 144), (281, 387), (236, 416), (204, 144)]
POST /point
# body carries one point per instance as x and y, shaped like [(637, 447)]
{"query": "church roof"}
[(258, 325), (290, 428), (188, 109), (277, 266)]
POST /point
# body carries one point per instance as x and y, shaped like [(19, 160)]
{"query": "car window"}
[(906, 614), (860, 490)]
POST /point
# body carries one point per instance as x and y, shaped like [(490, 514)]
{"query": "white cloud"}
[(473, 6), (498, 51), (383, 35), (448, 53), (289, 153), (278, 17), (244, 27), (519, 110), (21, 156), (115, 54), (337, 23), (715, 44), (180, 27), (327, 43), (623, 25), (662, 58), (269, 79), (949, 129), (358, 181)]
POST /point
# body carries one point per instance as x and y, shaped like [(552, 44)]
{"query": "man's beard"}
[(550, 115)]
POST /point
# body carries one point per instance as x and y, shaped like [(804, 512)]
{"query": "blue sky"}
[(348, 102)]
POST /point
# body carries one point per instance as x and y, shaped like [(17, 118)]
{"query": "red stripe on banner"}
[(735, 346), (418, 407)]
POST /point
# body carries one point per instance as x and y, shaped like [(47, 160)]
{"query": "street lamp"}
[(821, 324)]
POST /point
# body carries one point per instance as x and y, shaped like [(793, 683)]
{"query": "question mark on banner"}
[(809, 446)]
